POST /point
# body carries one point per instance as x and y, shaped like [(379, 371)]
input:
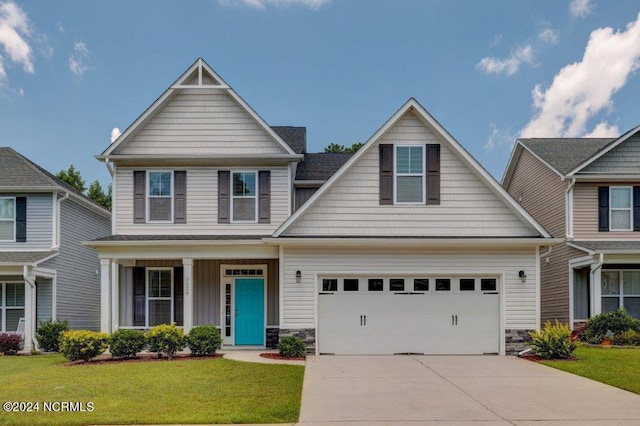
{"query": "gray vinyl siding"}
[(39, 223), (78, 284), (44, 299), (622, 159), (302, 195)]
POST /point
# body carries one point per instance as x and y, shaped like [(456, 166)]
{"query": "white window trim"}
[(11, 220), (4, 307), (148, 293), (396, 174), (629, 209), (621, 295), (149, 196), (233, 197)]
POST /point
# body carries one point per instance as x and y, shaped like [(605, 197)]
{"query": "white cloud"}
[(497, 39), (549, 35), (77, 60), (15, 31), (262, 4), (510, 65), (583, 89), (498, 138), (580, 8), (115, 134), (604, 130)]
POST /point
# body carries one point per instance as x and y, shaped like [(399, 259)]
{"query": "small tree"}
[(96, 193), (72, 177), (337, 148)]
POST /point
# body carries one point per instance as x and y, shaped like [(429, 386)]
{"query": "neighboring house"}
[(586, 191), (45, 272), (409, 245)]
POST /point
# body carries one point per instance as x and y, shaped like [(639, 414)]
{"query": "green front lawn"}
[(619, 367), (179, 391)]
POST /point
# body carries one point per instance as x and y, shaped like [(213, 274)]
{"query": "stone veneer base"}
[(308, 336), (515, 341)]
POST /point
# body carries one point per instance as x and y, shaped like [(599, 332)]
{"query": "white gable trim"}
[(611, 146), (178, 85), (457, 149), (513, 160)]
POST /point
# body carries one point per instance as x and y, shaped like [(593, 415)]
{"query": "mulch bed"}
[(537, 358), (107, 359), (273, 355)]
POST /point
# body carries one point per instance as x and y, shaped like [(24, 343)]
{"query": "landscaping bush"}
[(204, 340), (83, 344), (616, 322), (10, 343), (628, 338), (291, 347), (165, 338), (553, 341), (127, 343), (48, 334)]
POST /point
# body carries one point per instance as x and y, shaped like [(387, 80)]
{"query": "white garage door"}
[(429, 315)]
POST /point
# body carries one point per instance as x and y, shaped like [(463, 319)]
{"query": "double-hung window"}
[(160, 296), (11, 305), (409, 174), (621, 289), (160, 198), (621, 202), (244, 205), (7, 218)]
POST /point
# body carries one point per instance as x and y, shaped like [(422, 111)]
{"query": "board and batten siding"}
[(202, 121), (299, 299), (44, 299), (352, 207), (554, 283), (39, 223), (77, 267), (625, 158), (541, 192), (585, 214), (201, 205)]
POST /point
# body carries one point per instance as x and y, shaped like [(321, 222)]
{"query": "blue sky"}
[(489, 71)]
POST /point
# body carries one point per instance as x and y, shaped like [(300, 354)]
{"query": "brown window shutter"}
[(433, 174), (178, 295), (386, 174), (224, 187), (603, 208), (264, 196), (636, 208), (139, 194), (21, 219), (139, 296), (180, 197)]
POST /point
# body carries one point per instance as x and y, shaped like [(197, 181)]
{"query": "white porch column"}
[(29, 316), (115, 296), (187, 294), (596, 291), (105, 295)]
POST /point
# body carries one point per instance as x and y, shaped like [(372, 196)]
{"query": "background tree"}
[(72, 177), (96, 193), (337, 148)]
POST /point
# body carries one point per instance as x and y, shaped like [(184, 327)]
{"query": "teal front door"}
[(249, 327)]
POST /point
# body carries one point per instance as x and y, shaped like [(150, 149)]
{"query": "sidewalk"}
[(254, 356)]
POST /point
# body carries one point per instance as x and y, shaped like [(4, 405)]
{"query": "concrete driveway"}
[(456, 390)]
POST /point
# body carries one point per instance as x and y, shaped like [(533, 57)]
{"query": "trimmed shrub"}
[(204, 340), (165, 338), (83, 344), (291, 347), (628, 338), (616, 322), (10, 343), (553, 341), (48, 334), (127, 343)]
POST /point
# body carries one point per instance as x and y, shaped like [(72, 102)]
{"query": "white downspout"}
[(56, 242), (569, 209), (30, 311)]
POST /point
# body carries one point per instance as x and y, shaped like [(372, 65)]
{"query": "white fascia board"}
[(147, 243), (611, 146), (436, 243), (204, 157), (607, 177), (511, 164), (30, 189), (579, 247)]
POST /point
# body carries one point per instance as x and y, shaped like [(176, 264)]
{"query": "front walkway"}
[(425, 390), (254, 356)]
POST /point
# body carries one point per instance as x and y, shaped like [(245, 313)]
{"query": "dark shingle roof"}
[(320, 166), (21, 257), (611, 246), (565, 154), (295, 137), (180, 237)]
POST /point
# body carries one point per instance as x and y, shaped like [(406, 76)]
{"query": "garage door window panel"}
[(421, 284), (396, 284), (376, 284), (443, 284), (488, 284), (467, 284), (351, 284), (330, 285)]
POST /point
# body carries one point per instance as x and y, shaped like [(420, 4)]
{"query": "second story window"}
[(160, 198), (243, 196), (7, 218), (409, 178), (621, 205)]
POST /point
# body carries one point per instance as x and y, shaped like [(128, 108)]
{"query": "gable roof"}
[(295, 137), (320, 166), (21, 174), (414, 106), (565, 154), (202, 74), (606, 149)]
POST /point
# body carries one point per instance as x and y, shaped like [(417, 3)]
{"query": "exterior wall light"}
[(523, 276), (298, 276)]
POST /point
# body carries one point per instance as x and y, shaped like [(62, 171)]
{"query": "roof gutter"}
[(409, 242)]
